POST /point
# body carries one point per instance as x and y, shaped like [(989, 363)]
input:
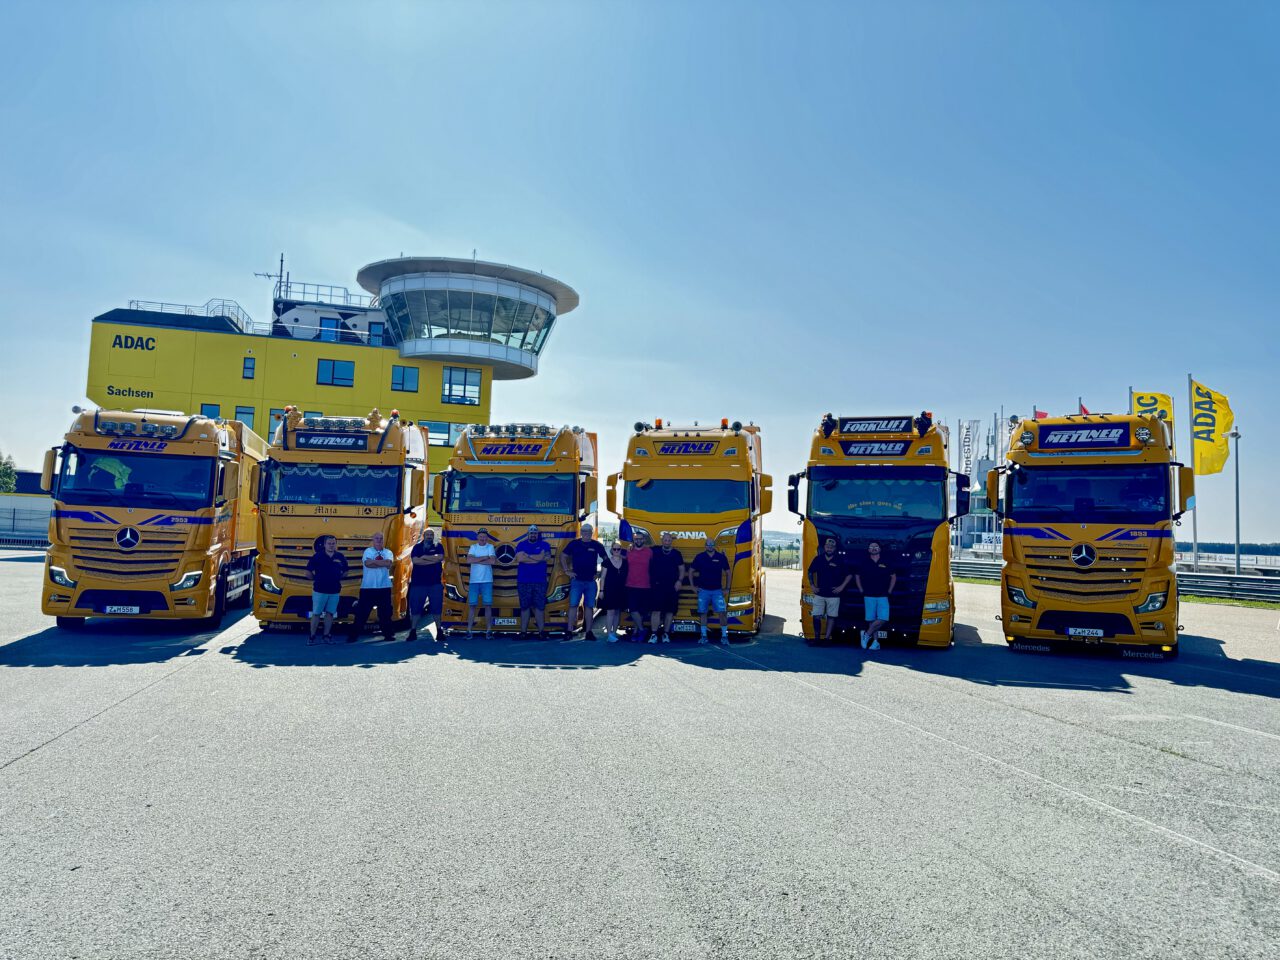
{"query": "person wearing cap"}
[(531, 580), (710, 570), (580, 561), (481, 557)]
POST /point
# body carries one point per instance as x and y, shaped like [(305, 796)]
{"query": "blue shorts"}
[(876, 608), (324, 603), (480, 593), (580, 590), (711, 598)]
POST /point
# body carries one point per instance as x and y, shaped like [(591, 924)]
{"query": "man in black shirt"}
[(580, 559), (710, 570), (827, 578), (426, 585), (666, 570), (326, 568), (876, 580)]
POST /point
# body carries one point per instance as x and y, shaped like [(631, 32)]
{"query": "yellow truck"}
[(1088, 505), (151, 518), (883, 479), (697, 482), (502, 478), (345, 477)]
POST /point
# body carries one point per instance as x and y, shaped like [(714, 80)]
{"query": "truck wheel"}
[(70, 623), (214, 620)]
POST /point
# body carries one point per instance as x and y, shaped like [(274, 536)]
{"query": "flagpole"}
[(1191, 446), (1235, 435), (1131, 400)]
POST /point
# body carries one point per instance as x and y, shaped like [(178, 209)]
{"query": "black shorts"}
[(663, 601), (638, 599)]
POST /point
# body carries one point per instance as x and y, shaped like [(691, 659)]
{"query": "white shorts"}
[(826, 606)]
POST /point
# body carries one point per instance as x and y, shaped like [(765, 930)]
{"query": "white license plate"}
[(684, 627), (120, 609), (1083, 632), (505, 621)]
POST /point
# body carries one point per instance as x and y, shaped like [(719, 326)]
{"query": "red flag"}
[(1083, 408), (1040, 414)]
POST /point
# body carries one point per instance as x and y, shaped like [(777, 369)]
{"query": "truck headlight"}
[(453, 593), (936, 606), (189, 580), (59, 576), (267, 584), (1154, 602), (1019, 596), (740, 599), (559, 593)]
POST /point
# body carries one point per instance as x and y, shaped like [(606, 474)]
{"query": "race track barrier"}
[(1223, 585)]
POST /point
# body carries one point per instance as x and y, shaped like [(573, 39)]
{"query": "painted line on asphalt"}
[(1233, 726), (1249, 866), (1186, 797)]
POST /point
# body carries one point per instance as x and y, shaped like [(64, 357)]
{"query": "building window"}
[(329, 329), (245, 416), (249, 368), (460, 385), (437, 432), (274, 416), (404, 378), (313, 415), (336, 373), (210, 410), (376, 331)]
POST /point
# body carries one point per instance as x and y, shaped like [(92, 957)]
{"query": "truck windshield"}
[(686, 496), (878, 493), (1088, 493), (512, 493), (115, 479), (346, 483)]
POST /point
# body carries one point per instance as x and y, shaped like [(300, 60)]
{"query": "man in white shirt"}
[(481, 558), (375, 590)]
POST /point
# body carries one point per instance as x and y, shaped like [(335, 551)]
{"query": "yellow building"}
[(429, 339)]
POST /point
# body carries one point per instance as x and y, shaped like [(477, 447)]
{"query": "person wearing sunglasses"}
[(613, 591)]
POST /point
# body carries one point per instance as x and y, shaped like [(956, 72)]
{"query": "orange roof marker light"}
[(658, 423), (724, 423)]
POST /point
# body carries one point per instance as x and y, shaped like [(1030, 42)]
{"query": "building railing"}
[(320, 293), (213, 308)]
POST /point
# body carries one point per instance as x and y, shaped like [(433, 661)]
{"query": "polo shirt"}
[(533, 571)]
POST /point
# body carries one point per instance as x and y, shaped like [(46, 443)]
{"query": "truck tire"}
[(214, 620), (70, 623)]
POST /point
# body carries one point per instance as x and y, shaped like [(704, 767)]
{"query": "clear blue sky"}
[(770, 210)]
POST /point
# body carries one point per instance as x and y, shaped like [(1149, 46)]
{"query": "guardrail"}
[(1224, 585)]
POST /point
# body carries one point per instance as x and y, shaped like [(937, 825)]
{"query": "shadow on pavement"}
[(289, 648), (22, 558), (105, 643)]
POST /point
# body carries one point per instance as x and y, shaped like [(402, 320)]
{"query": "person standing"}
[(828, 579), (326, 568), (638, 581), (580, 560), (710, 569), (531, 581), (666, 571), (613, 590), (426, 585), (876, 579), (375, 590), (481, 558)]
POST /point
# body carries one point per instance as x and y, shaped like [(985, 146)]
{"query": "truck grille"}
[(1116, 574), (292, 554), (156, 555)]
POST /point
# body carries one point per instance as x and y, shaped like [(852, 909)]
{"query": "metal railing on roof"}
[(213, 308), (320, 293)]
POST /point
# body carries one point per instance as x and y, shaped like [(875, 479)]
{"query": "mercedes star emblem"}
[(1083, 555), (128, 538), (506, 553)]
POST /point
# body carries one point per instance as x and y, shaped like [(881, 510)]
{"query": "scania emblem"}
[(506, 553), (128, 538), (1083, 555)]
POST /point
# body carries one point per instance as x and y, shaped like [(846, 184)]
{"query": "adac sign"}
[(687, 448), (127, 341)]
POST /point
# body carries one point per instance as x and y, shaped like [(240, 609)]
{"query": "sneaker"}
[(875, 644), (724, 641), (488, 634), (413, 635), (590, 636), (311, 640), (664, 637), (653, 638), (865, 639), (471, 634), (611, 638), (523, 635), (703, 639)]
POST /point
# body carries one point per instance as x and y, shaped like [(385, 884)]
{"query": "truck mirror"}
[(793, 493), (1186, 491), (230, 480), (590, 494), (46, 475), (611, 494), (417, 489), (993, 491), (437, 494), (766, 493), (255, 483), (962, 495)]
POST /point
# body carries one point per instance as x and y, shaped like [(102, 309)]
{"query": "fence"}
[(1223, 585)]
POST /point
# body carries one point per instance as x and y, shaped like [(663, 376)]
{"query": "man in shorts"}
[(876, 579), (326, 568), (827, 578), (481, 558), (580, 560), (666, 571), (531, 581), (638, 582), (709, 573), (426, 587)]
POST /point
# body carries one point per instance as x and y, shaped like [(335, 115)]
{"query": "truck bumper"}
[(1102, 626), (143, 599)]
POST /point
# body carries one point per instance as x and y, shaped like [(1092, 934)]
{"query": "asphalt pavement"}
[(243, 795)]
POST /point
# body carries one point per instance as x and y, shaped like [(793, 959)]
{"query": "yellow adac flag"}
[(1211, 421), (1152, 405)]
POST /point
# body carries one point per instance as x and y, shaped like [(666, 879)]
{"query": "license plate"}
[(505, 621), (120, 609), (684, 627), (1083, 632)]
